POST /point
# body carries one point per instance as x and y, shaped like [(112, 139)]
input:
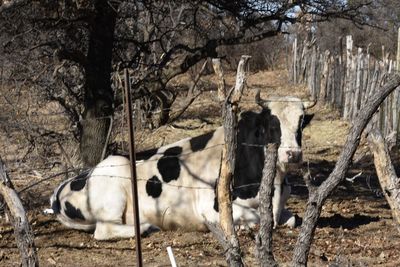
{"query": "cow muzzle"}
[(292, 156)]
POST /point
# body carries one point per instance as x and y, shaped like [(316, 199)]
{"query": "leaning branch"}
[(22, 230), (318, 197), (388, 179)]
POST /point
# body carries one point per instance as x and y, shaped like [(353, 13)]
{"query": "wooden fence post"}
[(325, 76), (358, 83), (312, 73), (347, 87)]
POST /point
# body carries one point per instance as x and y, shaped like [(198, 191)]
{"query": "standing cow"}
[(176, 182)]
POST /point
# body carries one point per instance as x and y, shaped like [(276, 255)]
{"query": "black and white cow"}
[(176, 182)]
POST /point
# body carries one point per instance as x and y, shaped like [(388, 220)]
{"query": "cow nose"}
[(294, 156)]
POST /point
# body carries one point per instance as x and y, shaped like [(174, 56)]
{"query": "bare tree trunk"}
[(325, 77), (317, 196), (16, 212), (98, 93), (388, 179), (264, 238), (226, 234), (216, 62)]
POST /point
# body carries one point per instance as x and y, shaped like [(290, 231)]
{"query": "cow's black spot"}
[(168, 165), (200, 142), (146, 154), (306, 120), (55, 206), (73, 212), (274, 131), (216, 207), (79, 182), (299, 136), (154, 187)]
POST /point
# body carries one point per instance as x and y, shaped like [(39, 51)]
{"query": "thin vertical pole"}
[(398, 51), (397, 94), (132, 158)]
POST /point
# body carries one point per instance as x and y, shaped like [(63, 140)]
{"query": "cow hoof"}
[(150, 230), (287, 219), (291, 223)]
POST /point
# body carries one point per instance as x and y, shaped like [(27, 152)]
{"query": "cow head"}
[(285, 119)]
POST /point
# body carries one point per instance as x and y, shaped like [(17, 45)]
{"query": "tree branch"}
[(22, 230), (388, 179), (317, 198)]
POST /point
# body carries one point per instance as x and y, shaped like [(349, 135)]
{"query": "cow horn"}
[(309, 104), (259, 101)]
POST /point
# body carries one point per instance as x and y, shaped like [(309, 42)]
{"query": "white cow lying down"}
[(176, 183)]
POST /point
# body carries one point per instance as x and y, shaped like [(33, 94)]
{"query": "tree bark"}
[(98, 93), (226, 233), (317, 196), (264, 236), (216, 62), (16, 212), (347, 86), (388, 179), (324, 79)]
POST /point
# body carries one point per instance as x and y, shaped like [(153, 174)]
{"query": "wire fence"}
[(155, 157)]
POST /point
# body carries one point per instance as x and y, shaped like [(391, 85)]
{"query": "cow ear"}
[(306, 120)]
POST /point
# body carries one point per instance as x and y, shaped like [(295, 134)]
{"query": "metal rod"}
[(132, 158)]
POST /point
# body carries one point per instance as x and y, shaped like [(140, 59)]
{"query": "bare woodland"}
[(67, 59)]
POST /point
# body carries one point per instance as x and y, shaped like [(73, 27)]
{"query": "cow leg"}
[(115, 230), (244, 215), (281, 195)]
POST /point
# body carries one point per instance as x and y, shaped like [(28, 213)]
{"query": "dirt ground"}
[(355, 228)]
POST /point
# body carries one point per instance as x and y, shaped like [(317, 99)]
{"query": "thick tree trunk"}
[(317, 196), (98, 93), (388, 179)]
